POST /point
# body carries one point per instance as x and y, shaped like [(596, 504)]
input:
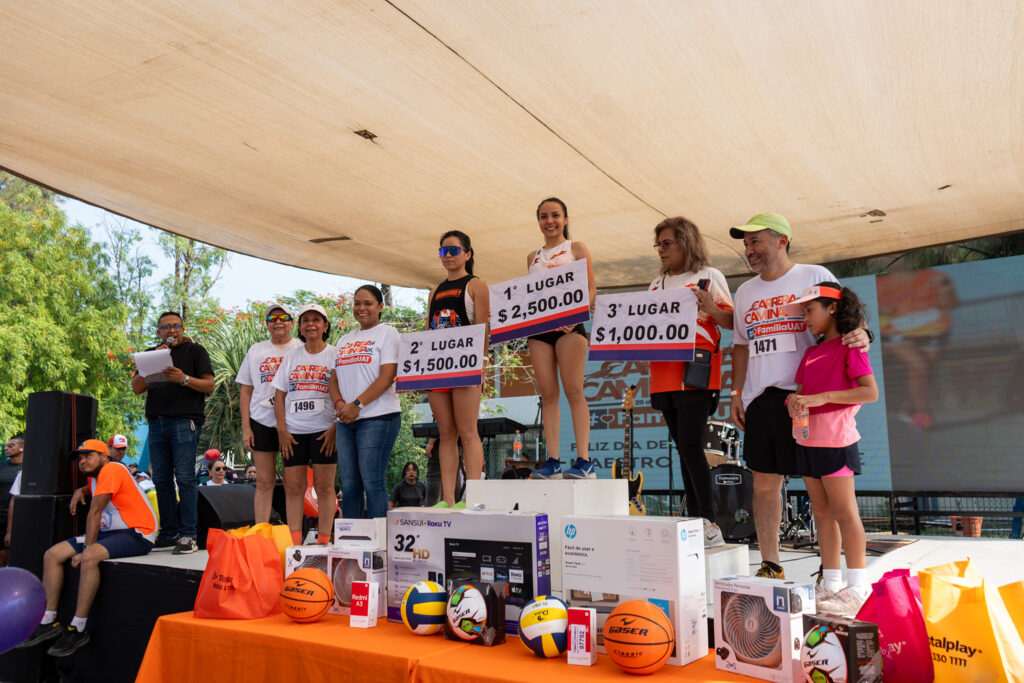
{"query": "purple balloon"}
[(22, 603)]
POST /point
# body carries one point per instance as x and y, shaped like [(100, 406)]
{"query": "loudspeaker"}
[(55, 423), (224, 507), (39, 522)]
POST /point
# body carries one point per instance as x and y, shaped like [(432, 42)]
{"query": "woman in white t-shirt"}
[(305, 421), (562, 352), (366, 405), (256, 402), (218, 474)]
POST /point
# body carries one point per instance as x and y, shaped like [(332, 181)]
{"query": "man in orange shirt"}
[(121, 523)]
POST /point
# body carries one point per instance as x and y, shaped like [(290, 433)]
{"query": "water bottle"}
[(517, 446), (802, 425)]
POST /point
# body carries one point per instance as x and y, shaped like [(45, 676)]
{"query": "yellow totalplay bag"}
[(970, 632), (278, 533), (1013, 598)]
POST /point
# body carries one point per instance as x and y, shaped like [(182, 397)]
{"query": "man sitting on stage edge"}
[(768, 344), (129, 529)]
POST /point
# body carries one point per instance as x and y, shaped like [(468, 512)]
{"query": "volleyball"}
[(822, 656), (423, 608), (467, 612), (544, 626), (638, 637), (306, 595)]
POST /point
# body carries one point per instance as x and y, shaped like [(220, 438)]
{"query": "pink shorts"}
[(844, 472)]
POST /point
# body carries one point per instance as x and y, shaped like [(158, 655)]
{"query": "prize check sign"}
[(439, 359), (539, 302), (658, 325)]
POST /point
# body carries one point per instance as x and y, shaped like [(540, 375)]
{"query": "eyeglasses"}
[(279, 318), (449, 251), (218, 469), (171, 326), (664, 244)]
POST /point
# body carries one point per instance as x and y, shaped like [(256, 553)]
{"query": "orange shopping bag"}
[(242, 578), (971, 634), (1013, 598), (278, 533)]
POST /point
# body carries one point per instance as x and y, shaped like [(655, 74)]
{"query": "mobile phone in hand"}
[(703, 283)]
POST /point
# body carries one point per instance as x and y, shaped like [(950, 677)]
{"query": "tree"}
[(60, 320), (197, 267), (132, 268)]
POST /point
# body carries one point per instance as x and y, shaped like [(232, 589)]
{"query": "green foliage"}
[(131, 269), (197, 267), (60, 320)]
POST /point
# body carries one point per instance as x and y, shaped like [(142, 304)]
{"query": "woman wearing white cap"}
[(305, 421), (256, 402)]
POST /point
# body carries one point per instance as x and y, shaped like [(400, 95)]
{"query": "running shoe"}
[(770, 570), (441, 504), (186, 546), (712, 535), (551, 469), (845, 602), (43, 633), (461, 505), (166, 542), (69, 641), (581, 469)]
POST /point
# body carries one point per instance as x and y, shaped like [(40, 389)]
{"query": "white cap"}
[(313, 307)]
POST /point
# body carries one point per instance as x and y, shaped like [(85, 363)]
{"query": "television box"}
[(302, 556), (346, 565), (367, 534), (844, 649), (759, 626), (608, 560), (557, 498), (467, 545)]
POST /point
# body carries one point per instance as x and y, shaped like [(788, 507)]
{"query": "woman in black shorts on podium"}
[(461, 299), (561, 352)]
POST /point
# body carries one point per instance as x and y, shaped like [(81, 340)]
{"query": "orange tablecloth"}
[(185, 648)]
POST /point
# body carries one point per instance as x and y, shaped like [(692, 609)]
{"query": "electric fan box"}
[(556, 498), (430, 544), (346, 565), (301, 556), (759, 626), (609, 560), (845, 648), (367, 534)]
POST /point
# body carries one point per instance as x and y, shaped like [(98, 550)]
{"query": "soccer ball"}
[(467, 612), (822, 656)]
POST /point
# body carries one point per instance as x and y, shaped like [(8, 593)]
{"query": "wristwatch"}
[(185, 382), (357, 403), (871, 335)]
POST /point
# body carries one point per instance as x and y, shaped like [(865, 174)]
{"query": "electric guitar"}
[(622, 468)]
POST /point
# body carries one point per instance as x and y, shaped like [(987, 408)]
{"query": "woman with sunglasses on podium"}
[(256, 402), (460, 299)]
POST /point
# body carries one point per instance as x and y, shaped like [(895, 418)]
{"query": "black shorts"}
[(768, 444), (554, 335), (264, 438), (815, 461), (307, 452)]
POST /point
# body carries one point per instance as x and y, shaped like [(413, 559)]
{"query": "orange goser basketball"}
[(307, 594), (639, 637)]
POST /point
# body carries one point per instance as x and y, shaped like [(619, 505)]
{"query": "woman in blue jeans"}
[(368, 410)]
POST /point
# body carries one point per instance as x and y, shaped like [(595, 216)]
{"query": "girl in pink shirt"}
[(832, 381)]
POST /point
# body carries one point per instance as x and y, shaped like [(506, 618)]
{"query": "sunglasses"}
[(449, 251), (218, 469), (279, 318), (171, 326)]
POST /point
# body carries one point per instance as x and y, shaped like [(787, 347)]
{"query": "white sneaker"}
[(712, 535), (845, 602)]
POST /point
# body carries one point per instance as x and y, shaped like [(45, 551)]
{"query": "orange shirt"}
[(125, 495)]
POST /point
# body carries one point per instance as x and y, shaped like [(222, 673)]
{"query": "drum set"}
[(732, 491)]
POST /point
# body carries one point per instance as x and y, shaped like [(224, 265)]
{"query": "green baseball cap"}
[(763, 221)]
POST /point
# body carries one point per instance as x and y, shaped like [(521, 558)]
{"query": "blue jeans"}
[(364, 448), (172, 453)]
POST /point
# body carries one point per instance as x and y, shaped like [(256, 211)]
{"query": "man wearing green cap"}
[(768, 342)]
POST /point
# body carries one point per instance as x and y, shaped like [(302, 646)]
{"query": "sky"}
[(245, 277)]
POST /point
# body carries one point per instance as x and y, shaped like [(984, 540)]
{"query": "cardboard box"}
[(845, 649), (366, 534), (582, 636), (731, 559), (609, 560), (364, 604), (556, 498), (301, 556), (759, 626), (346, 566), (466, 545)]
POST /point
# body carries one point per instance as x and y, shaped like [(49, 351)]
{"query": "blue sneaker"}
[(552, 469), (581, 469)]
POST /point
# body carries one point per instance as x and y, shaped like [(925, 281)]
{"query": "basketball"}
[(638, 636), (544, 626), (423, 608), (467, 612), (306, 596)]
